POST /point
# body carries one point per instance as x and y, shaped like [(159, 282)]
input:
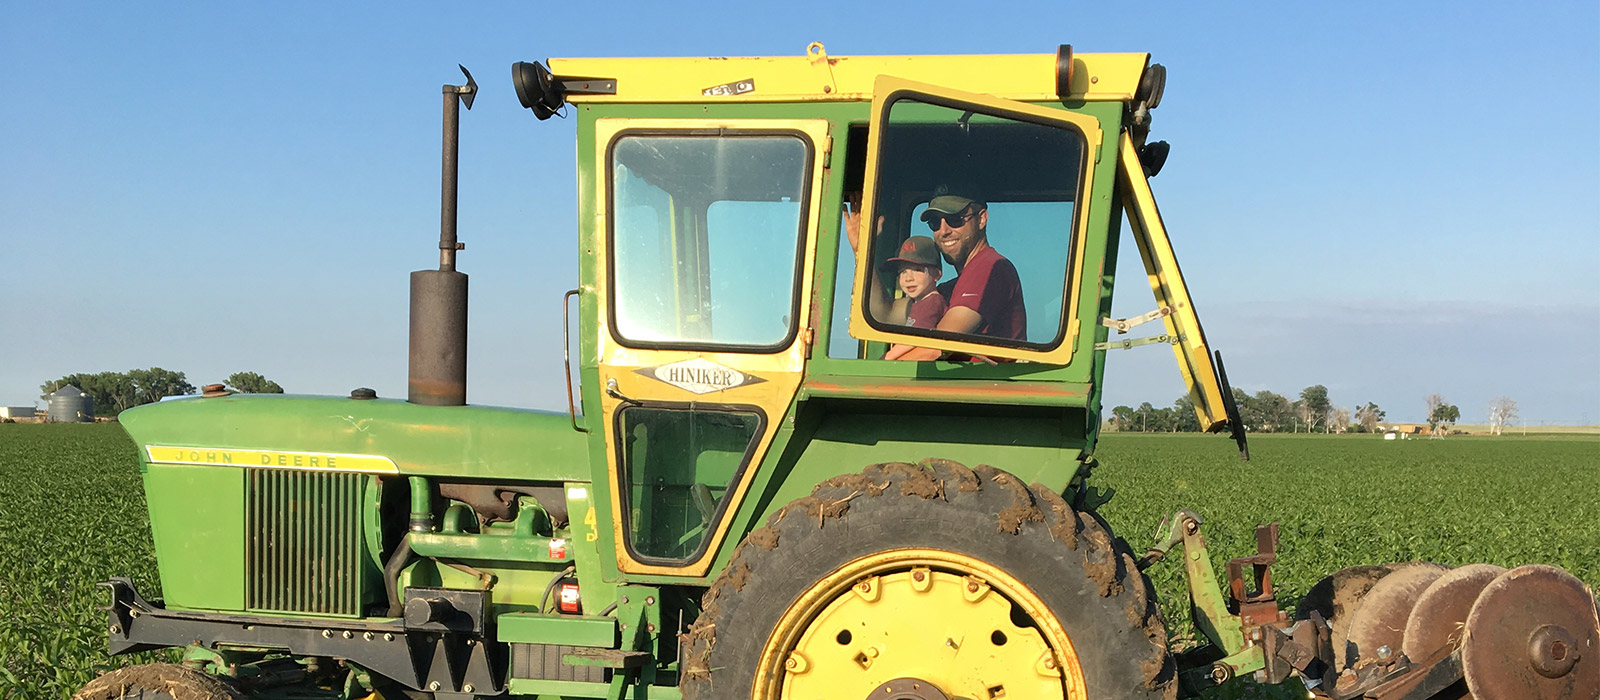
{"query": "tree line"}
[(1270, 412), (115, 392)]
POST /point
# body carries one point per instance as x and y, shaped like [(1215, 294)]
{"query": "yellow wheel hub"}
[(937, 624)]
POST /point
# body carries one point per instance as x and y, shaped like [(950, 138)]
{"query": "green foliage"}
[(1348, 500), (1444, 414), (73, 515), (115, 392), (1368, 416), (252, 383), (1315, 406)]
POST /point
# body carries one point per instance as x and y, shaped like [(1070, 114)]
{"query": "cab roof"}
[(817, 76)]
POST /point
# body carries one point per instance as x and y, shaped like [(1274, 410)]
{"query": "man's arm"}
[(960, 319), (957, 319), (878, 301)]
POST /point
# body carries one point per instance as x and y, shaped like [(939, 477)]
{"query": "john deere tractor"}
[(746, 499)]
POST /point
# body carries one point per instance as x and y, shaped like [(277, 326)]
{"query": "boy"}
[(917, 271)]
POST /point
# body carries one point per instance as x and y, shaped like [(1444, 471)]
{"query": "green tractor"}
[(747, 499)]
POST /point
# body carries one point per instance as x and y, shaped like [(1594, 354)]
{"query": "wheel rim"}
[(918, 616)]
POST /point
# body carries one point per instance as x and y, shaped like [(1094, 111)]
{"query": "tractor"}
[(744, 497)]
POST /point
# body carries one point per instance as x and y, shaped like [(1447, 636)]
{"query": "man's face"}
[(957, 243), (916, 280)]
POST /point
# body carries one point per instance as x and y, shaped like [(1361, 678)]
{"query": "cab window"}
[(975, 219), (706, 230), (678, 464)]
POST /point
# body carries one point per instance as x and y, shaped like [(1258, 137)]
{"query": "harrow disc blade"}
[(1337, 596), (1379, 624), (1533, 634), (1441, 611)]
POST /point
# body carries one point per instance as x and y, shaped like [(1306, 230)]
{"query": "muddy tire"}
[(1068, 569), (157, 682)]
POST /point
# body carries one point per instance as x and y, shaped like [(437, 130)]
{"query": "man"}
[(986, 296)]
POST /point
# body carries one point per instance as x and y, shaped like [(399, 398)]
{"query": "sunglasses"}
[(951, 220)]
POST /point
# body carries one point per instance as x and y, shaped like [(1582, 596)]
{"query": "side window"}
[(677, 467), (975, 216), (705, 238)]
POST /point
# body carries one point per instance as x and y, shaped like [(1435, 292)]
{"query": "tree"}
[(1369, 416), (115, 392), (1315, 406), (1145, 417), (1502, 412), (155, 384), (1441, 415), (1184, 417), (1122, 417), (1274, 412), (252, 383), (1341, 421)]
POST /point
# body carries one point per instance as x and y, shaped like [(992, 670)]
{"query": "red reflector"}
[(570, 603)]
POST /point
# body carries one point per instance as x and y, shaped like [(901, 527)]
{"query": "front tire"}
[(966, 580)]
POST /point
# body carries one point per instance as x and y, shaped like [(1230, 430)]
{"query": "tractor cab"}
[(745, 222)]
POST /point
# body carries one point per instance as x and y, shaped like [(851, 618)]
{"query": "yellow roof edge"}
[(817, 76)]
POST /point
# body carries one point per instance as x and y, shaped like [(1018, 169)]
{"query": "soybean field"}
[(72, 514)]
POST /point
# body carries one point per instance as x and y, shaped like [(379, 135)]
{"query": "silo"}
[(70, 405)]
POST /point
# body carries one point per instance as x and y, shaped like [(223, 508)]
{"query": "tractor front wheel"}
[(929, 581), (157, 682)]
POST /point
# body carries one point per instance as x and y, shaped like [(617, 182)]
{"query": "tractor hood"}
[(472, 442)]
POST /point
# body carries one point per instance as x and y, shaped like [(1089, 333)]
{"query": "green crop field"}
[(72, 514)]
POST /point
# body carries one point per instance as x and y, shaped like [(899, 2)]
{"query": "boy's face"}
[(917, 280)]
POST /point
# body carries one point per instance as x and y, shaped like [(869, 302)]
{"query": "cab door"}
[(1015, 174), (709, 230)]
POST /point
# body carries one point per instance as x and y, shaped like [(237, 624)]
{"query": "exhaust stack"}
[(437, 374)]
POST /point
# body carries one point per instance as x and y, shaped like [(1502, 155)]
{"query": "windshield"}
[(705, 239)]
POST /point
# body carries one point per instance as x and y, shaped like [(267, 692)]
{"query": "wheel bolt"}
[(972, 586), (918, 576)]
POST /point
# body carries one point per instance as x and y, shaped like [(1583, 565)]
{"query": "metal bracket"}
[(440, 659), (1121, 325), (1136, 342)]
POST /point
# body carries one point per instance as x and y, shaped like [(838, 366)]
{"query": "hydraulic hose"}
[(391, 575)]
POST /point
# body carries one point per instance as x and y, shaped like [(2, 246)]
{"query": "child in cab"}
[(917, 272)]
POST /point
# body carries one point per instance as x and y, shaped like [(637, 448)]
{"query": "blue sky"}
[(1391, 199)]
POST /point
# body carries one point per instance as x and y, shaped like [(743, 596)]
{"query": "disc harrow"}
[(1402, 631)]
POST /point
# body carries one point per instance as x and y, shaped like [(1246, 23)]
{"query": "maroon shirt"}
[(926, 312), (989, 285)]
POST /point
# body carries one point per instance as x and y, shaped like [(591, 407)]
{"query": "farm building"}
[(69, 404), (1401, 431), (16, 412)]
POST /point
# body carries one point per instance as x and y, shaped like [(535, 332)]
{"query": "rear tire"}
[(1092, 607), (157, 682)]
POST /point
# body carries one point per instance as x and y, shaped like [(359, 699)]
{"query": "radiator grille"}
[(303, 542)]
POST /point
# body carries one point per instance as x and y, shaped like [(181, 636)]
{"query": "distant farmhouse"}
[(1402, 431)]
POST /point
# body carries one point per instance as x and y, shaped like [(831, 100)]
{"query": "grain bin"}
[(70, 405)]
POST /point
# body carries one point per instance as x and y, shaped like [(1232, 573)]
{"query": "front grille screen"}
[(303, 542)]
